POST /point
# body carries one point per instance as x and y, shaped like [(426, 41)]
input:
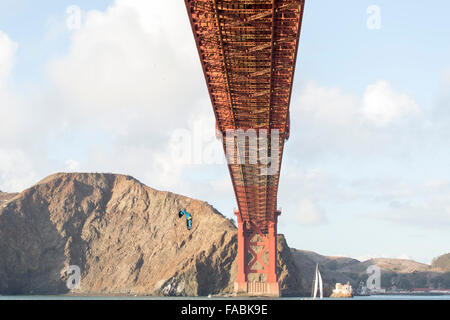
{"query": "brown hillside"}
[(6, 196), (125, 237)]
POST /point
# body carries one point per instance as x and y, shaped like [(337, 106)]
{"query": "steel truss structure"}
[(248, 51)]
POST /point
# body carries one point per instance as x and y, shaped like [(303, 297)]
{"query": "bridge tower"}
[(248, 52)]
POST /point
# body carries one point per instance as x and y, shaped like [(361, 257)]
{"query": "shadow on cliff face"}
[(32, 250), (291, 282), (215, 276)]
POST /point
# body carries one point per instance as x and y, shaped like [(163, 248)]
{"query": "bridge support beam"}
[(257, 259)]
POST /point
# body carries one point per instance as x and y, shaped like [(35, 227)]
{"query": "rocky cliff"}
[(125, 237), (6, 196)]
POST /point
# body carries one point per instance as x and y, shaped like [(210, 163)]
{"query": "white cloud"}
[(11, 108), (134, 74), (8, 50), (437, 184), (430, 212), (16, 170), (327, 121), (309, 213), (382, 105), (307, 182), (301, 193), (16, 166), (425, 205), (131, 67), (441, 111), (72, 165), (328, 106)]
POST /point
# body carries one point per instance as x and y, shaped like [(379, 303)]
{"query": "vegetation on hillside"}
[(442, 262)]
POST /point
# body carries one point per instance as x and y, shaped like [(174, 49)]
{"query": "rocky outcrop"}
[(125, 237), (6, 196), (291, 281)]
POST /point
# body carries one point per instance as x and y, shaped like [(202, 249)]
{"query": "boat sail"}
[(318, 284)]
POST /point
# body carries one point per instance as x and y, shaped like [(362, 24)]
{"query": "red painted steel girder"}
[(248, 50)]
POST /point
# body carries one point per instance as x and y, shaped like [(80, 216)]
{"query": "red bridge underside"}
[(248, 50)]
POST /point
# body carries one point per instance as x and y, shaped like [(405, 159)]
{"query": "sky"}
[(112, 86)]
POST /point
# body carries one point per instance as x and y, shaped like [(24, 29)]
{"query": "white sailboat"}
[(318, 284)]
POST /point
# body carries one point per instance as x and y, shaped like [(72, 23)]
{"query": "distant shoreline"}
[(407, 294)]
